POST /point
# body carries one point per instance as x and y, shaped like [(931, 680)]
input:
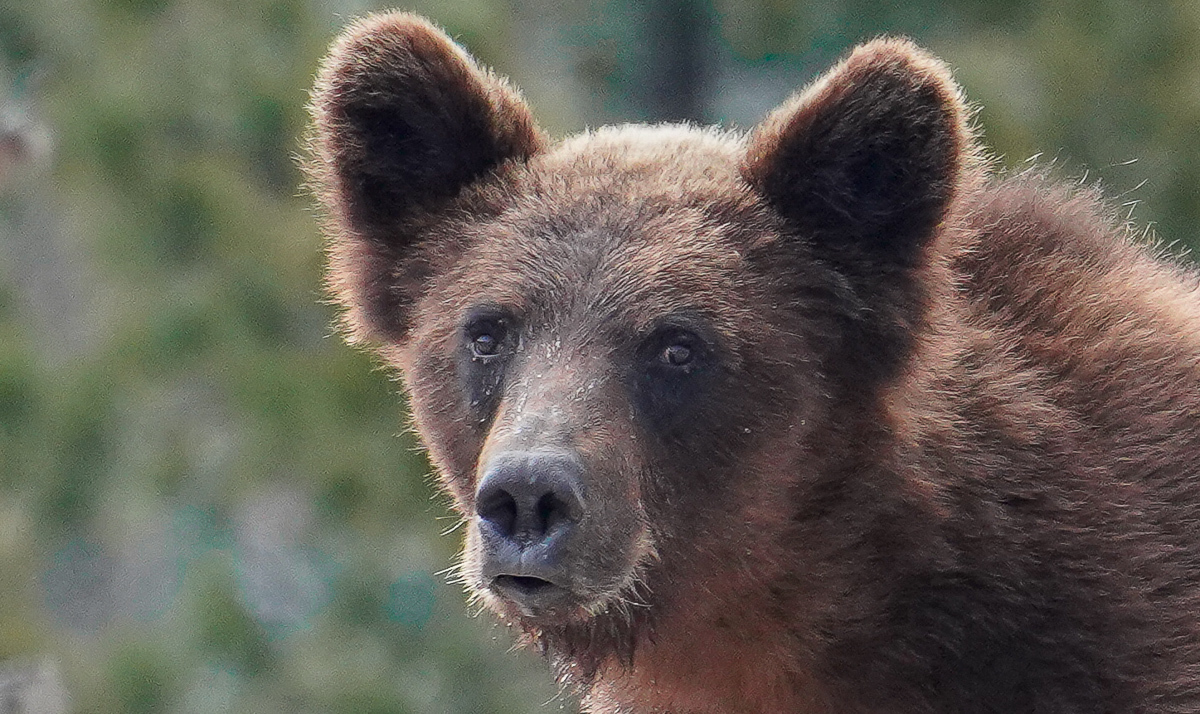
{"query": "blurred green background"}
[(210, 504)]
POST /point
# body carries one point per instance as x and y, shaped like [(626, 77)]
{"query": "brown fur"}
[(931, 444)]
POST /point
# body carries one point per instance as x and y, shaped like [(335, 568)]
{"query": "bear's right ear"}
[(403, 121), (866, 160)]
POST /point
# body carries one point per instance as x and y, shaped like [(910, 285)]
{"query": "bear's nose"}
[(529, 504), (531, 498)]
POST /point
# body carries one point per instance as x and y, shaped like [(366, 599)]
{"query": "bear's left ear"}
[(866, 160), (403, 122), (403, 117)]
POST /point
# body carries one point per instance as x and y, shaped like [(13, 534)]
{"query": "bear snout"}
[(529, 505)]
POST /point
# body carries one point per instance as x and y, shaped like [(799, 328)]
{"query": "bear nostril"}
[(500, 509), (551, 510)]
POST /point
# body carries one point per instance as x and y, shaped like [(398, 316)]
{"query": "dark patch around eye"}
[(674, 372), (489, 336)]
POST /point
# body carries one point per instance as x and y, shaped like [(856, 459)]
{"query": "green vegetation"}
[(207, 502)]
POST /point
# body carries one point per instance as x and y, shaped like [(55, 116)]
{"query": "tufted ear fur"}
[(864, 166), (403, 121), (866, 160)]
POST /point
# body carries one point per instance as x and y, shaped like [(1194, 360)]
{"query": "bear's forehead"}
[(622, 195), (624, 262), (641, 160), (623, 227)]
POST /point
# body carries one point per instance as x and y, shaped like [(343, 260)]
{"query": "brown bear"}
[(823, 418)]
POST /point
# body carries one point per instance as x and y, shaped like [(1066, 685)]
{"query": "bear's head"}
[(633, 354)]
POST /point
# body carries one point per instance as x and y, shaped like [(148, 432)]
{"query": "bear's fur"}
[(824, 418)]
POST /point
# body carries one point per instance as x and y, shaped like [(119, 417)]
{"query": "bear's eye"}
[(676, 351), (677, 354), (676, 366), (486, 338), (485, 345)]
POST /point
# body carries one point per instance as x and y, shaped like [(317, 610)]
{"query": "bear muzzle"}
[(529, 505)]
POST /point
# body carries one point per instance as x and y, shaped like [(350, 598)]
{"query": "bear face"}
[(766, 422), (609, 344), (601, 302)]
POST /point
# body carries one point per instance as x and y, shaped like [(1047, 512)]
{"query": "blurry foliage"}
[(207, 502)]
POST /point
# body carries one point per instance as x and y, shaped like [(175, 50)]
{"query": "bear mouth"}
[(533, 596), (522, 583)]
